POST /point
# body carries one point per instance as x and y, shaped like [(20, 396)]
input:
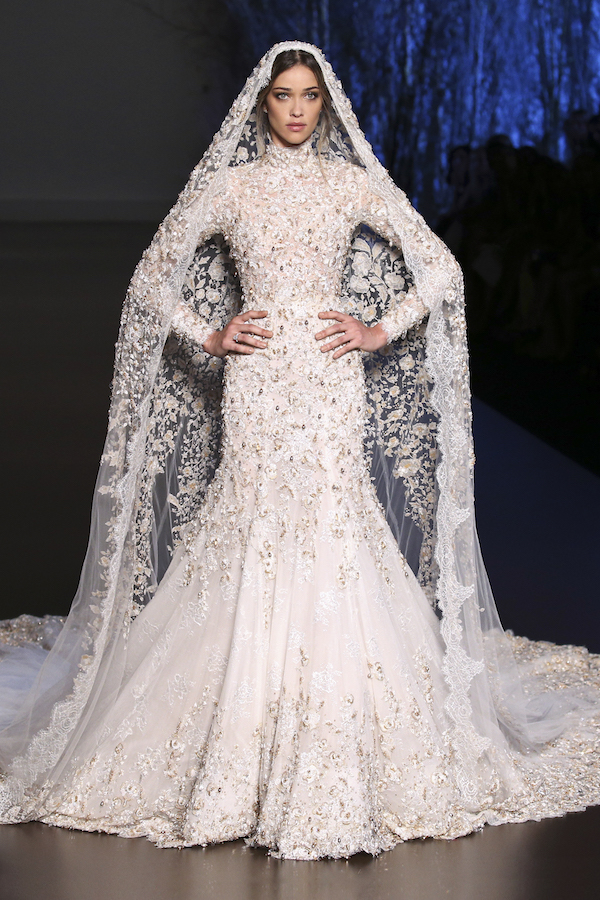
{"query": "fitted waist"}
[(294, 325), (290, 294), (293, 336), (291, 301)]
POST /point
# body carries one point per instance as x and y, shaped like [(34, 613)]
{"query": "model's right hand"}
[(221, 343)]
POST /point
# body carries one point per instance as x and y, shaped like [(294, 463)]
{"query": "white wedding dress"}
[(289, 682), (285, 682)]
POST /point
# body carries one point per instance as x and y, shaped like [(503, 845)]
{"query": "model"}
[(283, 630)]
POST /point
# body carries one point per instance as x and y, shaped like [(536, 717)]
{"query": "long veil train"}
[(160, 455)]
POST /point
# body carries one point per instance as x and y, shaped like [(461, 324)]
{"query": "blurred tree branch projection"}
[(425, 76)]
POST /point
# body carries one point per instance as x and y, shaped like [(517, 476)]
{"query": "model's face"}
[(293, 106)]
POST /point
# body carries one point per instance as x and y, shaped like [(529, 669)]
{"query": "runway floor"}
[(555, 859), (63, 287)]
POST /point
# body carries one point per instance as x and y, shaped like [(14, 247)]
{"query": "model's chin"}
[(290, 139), (296, 140)]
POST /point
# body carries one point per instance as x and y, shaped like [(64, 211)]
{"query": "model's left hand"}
[(352, 335)]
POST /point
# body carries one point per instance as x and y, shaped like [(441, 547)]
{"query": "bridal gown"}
[(285, 682)]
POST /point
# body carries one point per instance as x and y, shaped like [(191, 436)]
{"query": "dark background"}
[(105, 109)]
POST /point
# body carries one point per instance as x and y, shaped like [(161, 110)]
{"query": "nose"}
[(296, 109)]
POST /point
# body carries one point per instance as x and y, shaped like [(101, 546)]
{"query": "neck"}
[(300, 158), (276, 141)]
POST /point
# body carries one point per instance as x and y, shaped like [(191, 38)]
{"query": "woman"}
[(280, 675)]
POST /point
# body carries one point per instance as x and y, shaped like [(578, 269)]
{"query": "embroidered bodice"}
[(289, 218)]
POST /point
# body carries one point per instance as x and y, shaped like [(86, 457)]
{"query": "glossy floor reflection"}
[(547, 860)]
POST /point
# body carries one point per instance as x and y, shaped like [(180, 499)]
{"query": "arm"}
[(201, 308), (186, 323), (430, 262), (408, 309), (240, 334)]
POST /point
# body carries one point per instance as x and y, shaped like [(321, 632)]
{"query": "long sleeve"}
[(200, 311), (409, 308), (404, 316), (186, 323)]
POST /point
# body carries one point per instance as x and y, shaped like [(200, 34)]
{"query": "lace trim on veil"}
[(163, 445)]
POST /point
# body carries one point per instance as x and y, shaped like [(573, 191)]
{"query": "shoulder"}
[(241, 182), (345, 176), (242, 173), (344, 169), (235, 182)]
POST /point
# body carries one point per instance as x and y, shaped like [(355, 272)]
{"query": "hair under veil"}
[(162, 449)]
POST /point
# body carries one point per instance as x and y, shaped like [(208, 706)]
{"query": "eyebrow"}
[(278, 87)]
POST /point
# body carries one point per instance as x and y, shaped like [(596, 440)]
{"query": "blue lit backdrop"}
[(426, 75), (520, 211)]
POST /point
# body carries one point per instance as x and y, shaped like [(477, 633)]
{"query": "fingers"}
[(343, 320), (346, 348), (250, 331), (243, 336), (244, 342), (347, 334), (332, 329), (334, 314), (242, 349), (242, 323), (342, 341)]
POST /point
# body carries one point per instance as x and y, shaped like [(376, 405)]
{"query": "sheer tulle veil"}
[(162, 448)]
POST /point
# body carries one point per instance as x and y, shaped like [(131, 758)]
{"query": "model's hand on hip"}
[(350, 334), (240, 335)]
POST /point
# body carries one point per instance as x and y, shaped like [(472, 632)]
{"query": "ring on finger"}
[(236, 337)]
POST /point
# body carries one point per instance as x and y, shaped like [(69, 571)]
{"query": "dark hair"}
[(284, 61)]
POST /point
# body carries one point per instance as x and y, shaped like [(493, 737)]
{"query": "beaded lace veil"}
[(163, 446)]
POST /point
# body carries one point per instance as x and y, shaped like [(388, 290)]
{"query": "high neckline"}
[(300, 160)]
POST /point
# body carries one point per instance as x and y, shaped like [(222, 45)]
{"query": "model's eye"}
[(311, 95), (281, 95)]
